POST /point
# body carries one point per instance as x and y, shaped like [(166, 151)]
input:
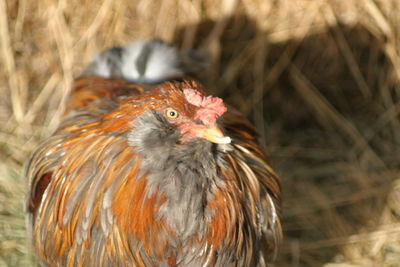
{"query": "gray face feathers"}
[(146, 62)]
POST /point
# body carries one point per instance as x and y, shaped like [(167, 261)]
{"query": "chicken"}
[(147, 170)]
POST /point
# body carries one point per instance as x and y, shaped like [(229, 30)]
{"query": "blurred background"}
[(319, 79)]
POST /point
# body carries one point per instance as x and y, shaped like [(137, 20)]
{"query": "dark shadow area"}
[(319, 103)]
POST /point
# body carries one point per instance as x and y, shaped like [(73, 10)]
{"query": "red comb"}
[(211, 107)]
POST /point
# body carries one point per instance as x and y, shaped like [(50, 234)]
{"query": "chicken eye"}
[(172, 113)]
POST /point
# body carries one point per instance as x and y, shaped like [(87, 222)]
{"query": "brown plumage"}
[(141, 175)]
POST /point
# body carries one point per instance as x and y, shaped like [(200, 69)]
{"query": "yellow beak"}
[(213, 134)]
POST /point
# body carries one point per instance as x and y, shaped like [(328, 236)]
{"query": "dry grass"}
[(320, 79)]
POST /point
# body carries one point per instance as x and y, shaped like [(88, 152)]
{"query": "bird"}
[(147, 169)]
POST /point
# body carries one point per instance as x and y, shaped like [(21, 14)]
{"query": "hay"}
[(320, 79)]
